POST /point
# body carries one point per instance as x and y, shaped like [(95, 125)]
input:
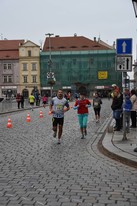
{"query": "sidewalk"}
[(121, 150)]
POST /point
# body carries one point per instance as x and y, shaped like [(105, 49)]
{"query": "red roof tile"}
[(9, 55), (9, 49), (75, 43)]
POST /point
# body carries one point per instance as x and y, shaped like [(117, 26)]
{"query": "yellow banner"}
[(102, 75)]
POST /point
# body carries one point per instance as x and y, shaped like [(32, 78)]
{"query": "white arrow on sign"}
[(124, 47)]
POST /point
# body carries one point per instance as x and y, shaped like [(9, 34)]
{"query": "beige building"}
[(29, 64)]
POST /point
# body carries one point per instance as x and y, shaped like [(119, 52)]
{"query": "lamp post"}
[(50, 74), (134, 2)]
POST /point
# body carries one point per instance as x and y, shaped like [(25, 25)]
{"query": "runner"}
[(31, 101), (97, 106), (57, 109), (82, 105)]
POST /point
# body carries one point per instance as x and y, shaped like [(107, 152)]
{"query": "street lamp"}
[(50, 74), (134, 2)]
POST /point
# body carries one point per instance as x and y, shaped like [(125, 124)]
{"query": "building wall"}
[(78, 69), (29, 55), (11, 86)]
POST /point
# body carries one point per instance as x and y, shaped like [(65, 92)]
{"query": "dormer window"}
[(84, 46), (73, 47), (61, 47)]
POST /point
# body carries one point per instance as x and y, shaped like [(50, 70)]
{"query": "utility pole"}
[(50, 74)]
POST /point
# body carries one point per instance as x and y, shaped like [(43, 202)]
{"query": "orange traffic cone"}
[(28, 118), (40, 114), (9, 124)]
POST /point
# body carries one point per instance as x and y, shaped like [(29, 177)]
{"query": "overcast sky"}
[(32, 19)]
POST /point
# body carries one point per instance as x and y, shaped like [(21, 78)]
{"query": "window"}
[(7, 66), (34, 66), (7, 79), (25, 79), (10, 79), (34, 77), (24, 66), (29, 53)]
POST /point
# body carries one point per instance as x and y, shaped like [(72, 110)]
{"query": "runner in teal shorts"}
[(82, 105)]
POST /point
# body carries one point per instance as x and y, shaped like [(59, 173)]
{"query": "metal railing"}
[(11, 105)]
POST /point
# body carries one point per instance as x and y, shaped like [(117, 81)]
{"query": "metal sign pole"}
[(124, 116)]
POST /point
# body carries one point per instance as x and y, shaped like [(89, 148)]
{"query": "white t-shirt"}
[(58, 106)]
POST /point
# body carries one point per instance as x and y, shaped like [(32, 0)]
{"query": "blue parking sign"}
[(124, 46)]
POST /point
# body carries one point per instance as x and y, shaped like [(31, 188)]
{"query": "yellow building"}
[(29, 64)]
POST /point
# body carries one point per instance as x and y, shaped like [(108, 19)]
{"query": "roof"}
[(9, 49), (74, 43), (29, 43)]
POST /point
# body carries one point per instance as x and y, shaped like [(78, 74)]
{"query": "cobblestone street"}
[(35, 170)]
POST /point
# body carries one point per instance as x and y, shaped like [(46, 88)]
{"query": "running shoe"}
[(58, 141), (82, 136)]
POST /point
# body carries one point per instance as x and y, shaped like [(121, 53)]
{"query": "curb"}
[(113, 155), (19, 110)]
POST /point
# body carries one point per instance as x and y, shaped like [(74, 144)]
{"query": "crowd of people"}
[(125, 102), (34, 98)]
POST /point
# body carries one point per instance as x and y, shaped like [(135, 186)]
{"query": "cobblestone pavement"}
[(36, 171)]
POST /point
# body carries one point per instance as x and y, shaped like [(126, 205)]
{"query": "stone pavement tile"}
[(12, 202), (3, 203), (3, 198), (69, 204), (40, 199), (85, 204), (123, 203), (53, 204), (133, 203)]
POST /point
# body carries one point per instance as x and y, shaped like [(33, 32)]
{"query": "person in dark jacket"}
[(18, 100), (117, 109), (22, 101)]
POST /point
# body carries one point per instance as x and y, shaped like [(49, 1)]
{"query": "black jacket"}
[(117, 102)]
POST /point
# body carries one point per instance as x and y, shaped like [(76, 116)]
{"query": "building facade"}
[(78, 64), (29, 63), (9, 67)]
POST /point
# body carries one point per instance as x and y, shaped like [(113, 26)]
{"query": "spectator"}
[(22, 101), (127, 105), (117, 109), (133, 99), (18, 100)]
